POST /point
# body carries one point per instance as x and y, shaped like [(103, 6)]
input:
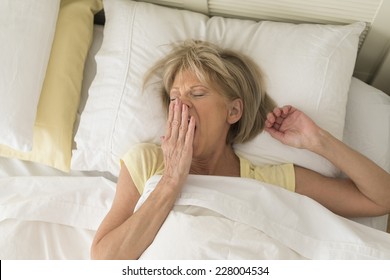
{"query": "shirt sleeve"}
[(281, 175), (143, 161)]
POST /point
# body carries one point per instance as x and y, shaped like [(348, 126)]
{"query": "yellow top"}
[(145, 160)]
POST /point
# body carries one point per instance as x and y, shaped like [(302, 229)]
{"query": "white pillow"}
[(367, 123), (309, 66), (367, 130), (89, 71), (26, 35)]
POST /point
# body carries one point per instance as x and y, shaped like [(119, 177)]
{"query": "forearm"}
[(130, 239), (369, 178)]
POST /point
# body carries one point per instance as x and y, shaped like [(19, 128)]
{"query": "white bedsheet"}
[(51, 217), (214, 218), (235, 218)]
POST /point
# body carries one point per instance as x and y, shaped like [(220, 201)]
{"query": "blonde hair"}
[(234, 74)]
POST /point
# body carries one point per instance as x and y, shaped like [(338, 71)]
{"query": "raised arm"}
[(126, 235), (365, 193)]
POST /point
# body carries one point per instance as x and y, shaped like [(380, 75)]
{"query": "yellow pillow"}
[(59, 100)]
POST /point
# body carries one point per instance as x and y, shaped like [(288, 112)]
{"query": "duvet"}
[(214, 218), (236, 218)]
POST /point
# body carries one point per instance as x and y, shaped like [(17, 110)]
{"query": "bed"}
[(61, 146)]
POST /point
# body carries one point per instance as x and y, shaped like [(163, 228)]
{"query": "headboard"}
[(373, 61)]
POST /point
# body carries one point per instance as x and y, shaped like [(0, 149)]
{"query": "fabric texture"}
[(51, 217), (237, 218), (146, 160), (26, 36), (306, 65), (56, 218), (366, 105), (57, 109), (282, 175)]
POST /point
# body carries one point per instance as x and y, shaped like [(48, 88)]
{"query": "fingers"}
[(184, 122), (177, 144), (190, 134), (174, 119), (179, 128), (285, 110), (282, 112), (277, 116), (169, 120)]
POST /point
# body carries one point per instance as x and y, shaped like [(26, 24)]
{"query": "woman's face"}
[(209, 108)]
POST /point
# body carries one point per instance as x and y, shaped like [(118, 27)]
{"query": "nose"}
[(185, 100)]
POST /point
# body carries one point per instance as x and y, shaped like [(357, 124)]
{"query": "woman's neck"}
[(221, 163)]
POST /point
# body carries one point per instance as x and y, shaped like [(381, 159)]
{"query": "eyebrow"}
[(192, 87), (203, 86)]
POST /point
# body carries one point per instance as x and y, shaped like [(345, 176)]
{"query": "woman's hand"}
[(292, 127), (177, 143), (365, 193), (126, 235)]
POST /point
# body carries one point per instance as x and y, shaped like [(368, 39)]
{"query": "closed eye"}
[(198, 94)]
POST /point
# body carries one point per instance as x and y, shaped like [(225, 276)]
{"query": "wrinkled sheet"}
[(236, 218), (55, 217), (51, 217)]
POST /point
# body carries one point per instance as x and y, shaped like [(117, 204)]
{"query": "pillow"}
[(89, 71), (53, 130), (309, 66), (26, 32), (367, 124), (364, 133)]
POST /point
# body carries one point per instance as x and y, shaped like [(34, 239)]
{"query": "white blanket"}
[(235, 218), (215, 218), (51, 217)]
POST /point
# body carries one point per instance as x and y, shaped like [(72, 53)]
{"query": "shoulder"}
[(280, 174), (144, 151), (142, 148), (143, 161)]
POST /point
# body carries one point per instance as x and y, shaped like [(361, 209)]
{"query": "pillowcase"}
[(309, 66), (367, 123), (26, 32), (89, 71), (53, 130)]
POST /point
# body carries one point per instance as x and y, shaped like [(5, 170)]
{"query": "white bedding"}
[(51, 217), (49, 214), (214, 218), (235, 218)]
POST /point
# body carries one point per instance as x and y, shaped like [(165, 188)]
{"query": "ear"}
[(235, 111)]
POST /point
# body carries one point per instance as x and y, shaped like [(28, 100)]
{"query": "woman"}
[(215, 98)]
